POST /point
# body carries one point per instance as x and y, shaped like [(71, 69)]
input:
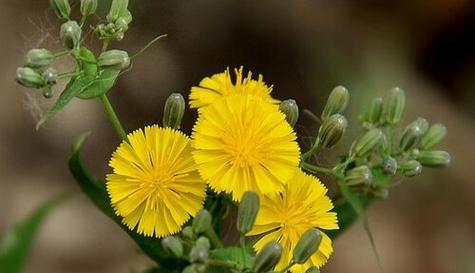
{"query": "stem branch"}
[(113, 117)]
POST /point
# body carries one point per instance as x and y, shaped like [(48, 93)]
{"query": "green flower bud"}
[(48, 92), (422, 123), (202, 222), (29, 78), (433, 136), (173, 246), (114, 59), (174, 111), (247, 211), (88, 7), (199, 254), (336, 103), (203, 242), (381, 193), (395, 106), (188, 233), (411, 168), (118, 8), (434, 159), (38, 58), (70, 34), (190, 269), (313, 269), (307, 245), (268, 257), (291, 111), (369, 142), (411, 137), (375, 111), (50, 75), (390, 165), (359, 176), (62, 8), (332, 130)]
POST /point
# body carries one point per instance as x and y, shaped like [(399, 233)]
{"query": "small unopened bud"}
[(203, 242), (395, 106), (381, 193), (29, 78), (70, 34), (313, 269), (118, 9), (122, 23), (422, 123), (173, 246), (50, 75), (375, 111), (433, 136), (114, 59), (188, 233), (371, 140), (268, 257), (199, 254), (332, 130), (291, 111), (307, 245), (434, 159), (336, 103), (411, 168), (62, 8), (48, 92), (411, 137), (88, 7), (37, 58), (247, 212), (190, 269), (202, 222), (390, 165), (174, 111), (359, 176)]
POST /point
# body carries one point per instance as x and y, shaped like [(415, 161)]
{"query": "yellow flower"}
[(221, 85), (155, 186), (285, 217), (243, 144)]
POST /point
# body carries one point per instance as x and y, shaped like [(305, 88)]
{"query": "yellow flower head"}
[(243, 144), (155, 186), (221, 85), (285, 217)]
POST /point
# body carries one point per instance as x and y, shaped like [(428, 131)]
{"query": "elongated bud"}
[(190, 269), (307, 245), (390, 166), (313, 269), (375, 111), (70, 34), (291, 111), (381, 193), (174, 111), (38, 58), (62, 8), (29, 78), (202, 222), (422, 123), (199, 254), (88, 7), (203, 242), (359, 176), (50, 76), (411, 168), (332, 130), (247, 212), (433, 136), (411, 137), (336, 103), (187, 233), (434, 159), (395, 106), (118, 9), (173, 246), (369, 142), (114, 59), (268, 257)]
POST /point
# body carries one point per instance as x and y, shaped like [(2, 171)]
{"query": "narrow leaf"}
[(103, 82)]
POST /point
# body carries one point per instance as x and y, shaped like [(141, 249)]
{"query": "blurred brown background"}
[(304, 48)]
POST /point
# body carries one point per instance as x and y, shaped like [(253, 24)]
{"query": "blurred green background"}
[(304, 48)]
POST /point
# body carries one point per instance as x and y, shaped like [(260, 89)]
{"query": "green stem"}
[(242, 241), (315, 149), (213, 237), (69, 75), (317, 169), (113, 117)]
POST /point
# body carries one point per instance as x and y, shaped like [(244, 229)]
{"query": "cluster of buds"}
[(382, 148), (117, 24)]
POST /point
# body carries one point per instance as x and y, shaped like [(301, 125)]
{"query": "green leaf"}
[(103, 82), (95, 189), (230, 254), (15, 245), (87, 68)]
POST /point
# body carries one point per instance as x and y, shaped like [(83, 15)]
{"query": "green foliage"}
[(230, 254)]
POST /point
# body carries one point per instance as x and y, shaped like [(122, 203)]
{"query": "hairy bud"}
[(359, 176), (307, 245), (268, 257), (381, 193), (411, 137), (203, 242), (62, 8), (70, 34), (199, 254), (188, 233), (114, 59), (50, 75), (369, 142), (434, 159), (332, 130), (291, 111), (118, 8), (173, 246), (395, 106), (38, 58), (29, 78), (336, 103), (247, 212), (202, 222), (390, 166), (88, 7), (411, 168), (375, 111), (174, 111), (433, 136)]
